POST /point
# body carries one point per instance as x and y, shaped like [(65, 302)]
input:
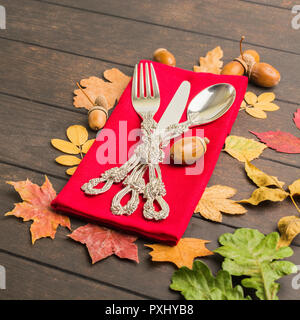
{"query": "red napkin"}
[(183, 190)]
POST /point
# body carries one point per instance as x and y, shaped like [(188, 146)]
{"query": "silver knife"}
[(176, 107)]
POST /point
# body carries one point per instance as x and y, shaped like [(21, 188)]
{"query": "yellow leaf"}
[(211, 62), (250, 98), (71, 171), (265, 193), (243, 105), (86, 146), (183, 254), (68, 160), (260, 178), (266, 106), (215, 200), (266, 97), (65, 146), (243, 149), (77, 134), (289, 228), (295, 188), (256, 113)]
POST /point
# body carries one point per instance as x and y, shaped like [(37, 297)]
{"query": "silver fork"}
[(146, 105)]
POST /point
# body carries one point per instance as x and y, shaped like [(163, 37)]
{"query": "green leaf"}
[(200, 284), (248, 252)]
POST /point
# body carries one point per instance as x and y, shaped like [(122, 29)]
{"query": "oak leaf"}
[(264, 193), (260, 178), (215, 200), (279, 141), (102, 242), (289, 228), (297, 118), (36, 207), (183, 254), (111, 89), (242, 148), (256, 106), (211, 62), (200, 284)]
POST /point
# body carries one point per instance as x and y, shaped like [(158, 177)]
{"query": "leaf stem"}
[(90, 100)]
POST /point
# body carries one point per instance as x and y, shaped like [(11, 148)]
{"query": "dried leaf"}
[(111, 89), (266, 97), (260, 178), (68, 160), (215, 200), (242, 148), (280, 141), (212, 62), (71, 171), (36, 207), (243, 105), (86, 146), (297, 118), (183, 254), (77, 134), (102, 242), (256, 113), (264, 193), (65, 146), (289, 228), (295, 188), (266, 106), (250, 98)]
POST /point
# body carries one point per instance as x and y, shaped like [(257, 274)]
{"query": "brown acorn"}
[(164, 56), (264, 75), (97, 115)]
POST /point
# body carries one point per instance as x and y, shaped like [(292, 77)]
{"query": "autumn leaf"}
[(71, 170), (295, 188), (289, 228), (183, 254), (260, 178), (250, 253), (297, 118), (200, 284), (279, 141), (36, 207), (211, 62), (242, 148), (111, 89), (263, 194), (256, 106), (102, 242), (65, 146), (86, 146), (215, 200)]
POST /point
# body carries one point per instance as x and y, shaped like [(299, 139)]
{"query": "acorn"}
[(164, 56), (261, 74), (98, 114)]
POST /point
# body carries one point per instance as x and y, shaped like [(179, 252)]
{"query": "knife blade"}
[(176, 107)]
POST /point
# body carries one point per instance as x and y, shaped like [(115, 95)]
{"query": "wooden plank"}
[(284, 4), (121, 41), (222, 19), (150, 279), (28, 280)]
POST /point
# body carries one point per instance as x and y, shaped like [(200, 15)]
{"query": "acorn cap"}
[(98, 108)]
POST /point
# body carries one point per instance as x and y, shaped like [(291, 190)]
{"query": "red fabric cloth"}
[(183, 191)]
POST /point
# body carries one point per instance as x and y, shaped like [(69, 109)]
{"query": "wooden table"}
[(50, 44)]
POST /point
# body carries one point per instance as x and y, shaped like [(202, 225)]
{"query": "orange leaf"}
[(102, 242), (36, 207), (183, 254), (111, 89), (211, 62)]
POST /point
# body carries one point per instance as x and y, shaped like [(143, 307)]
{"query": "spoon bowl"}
[(211, 103)]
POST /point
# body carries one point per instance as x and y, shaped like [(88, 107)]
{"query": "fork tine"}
[(148, 86), (142, 89), (154, 83), (134, 83)]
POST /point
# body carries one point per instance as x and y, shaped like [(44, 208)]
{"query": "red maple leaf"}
[(280, 141), (297, 118), (36, 207), (102, 242)]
